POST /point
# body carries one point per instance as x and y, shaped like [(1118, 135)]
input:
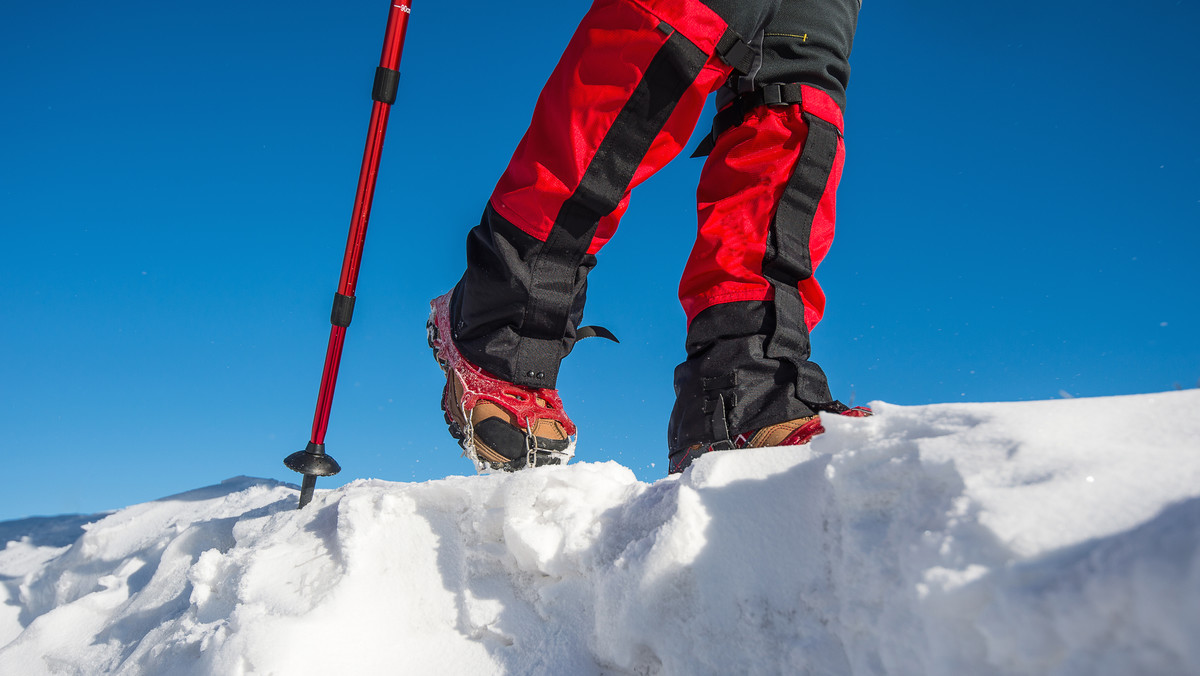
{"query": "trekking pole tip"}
[(312, 462)]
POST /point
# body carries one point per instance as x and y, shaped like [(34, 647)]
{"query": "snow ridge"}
[(1024, 538)]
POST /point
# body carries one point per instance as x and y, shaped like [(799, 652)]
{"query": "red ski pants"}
[(740, 193), (622, 102)]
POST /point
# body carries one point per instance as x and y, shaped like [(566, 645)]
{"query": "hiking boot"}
[(500, 425), (788, 433)]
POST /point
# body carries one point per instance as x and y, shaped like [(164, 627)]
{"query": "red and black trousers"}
[(621, 104)]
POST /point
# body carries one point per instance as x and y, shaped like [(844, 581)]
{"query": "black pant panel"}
[(488, 321), (809, 41), (805, 41), (730, 385)]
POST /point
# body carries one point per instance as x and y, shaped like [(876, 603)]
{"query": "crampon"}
[(499, 425)]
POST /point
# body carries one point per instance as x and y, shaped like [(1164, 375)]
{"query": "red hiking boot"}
[(500, 425)]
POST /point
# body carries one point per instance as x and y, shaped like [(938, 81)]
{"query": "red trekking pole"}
[(312, 462)]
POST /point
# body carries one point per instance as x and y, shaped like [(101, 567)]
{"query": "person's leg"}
[(621, 103), (767, 202)]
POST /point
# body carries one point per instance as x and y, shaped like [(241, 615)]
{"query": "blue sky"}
[(1018, 221)]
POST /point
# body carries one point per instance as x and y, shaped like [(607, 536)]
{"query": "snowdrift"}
[(1022, 538)]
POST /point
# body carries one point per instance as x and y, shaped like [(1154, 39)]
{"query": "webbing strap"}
[(735, 113), (717, 405), (788, 259), (555, 269), (720, 396)]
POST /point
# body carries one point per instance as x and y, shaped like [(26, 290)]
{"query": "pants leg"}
[(621, 103), (767, 203)]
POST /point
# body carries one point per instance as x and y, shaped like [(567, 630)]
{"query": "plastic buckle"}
[(772, 95), (738, 55)]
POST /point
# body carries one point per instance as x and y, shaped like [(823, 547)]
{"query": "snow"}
[(1058, 537)]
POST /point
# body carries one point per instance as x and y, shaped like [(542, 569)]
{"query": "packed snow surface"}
[(1021, 538)]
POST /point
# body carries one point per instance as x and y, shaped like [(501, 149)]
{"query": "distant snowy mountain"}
[(1058, 537)]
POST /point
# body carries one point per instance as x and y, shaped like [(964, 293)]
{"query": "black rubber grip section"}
[(387, 81), (343, 310)]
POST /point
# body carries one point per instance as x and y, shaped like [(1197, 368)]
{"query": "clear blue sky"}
[(1018, 220)]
